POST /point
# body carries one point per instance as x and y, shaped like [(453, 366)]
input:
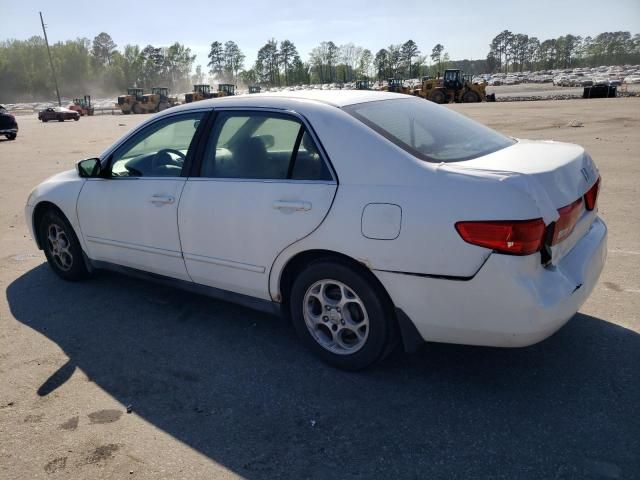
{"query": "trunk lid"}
[(554, 175)]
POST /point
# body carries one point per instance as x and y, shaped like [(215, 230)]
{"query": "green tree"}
[(287, 54), (103, 48), (331, 59), (381, 64), (436, 55), (216, 59), (267, 64), (366, 59), (248, 77), (408, 51), (233, 60)]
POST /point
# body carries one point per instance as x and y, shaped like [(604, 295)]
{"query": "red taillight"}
[(516, 237), (591, 197), (567, 221)]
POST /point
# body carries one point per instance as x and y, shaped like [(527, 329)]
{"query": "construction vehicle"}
[(362, 85), (82, 106), (225, 90), (130, 102), (454, 86), (200, 92), (396, 85), (254, 88), (203, 92), (156, 101)]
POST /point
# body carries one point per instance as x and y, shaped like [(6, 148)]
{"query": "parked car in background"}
[(371, 218), (8, 124), (58, 113)]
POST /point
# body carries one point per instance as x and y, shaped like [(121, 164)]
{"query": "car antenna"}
[(44, 30)]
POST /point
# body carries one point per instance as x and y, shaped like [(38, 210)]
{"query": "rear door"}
[(263, 184)]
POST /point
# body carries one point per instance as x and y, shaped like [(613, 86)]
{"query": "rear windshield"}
[(429, 131)]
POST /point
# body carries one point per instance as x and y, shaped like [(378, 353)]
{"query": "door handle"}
[(162, 199), (292, 206)]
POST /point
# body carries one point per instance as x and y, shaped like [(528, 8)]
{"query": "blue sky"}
[(464, 27)]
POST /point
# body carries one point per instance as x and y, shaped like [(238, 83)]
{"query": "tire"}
[(162, 106), (61, 118), (61, 247), (470, 97), (341, 315), (76, 118), (11, 136), (438, 97), (137, 109), (44, 120)]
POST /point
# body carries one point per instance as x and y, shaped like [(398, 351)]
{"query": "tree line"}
[(511, 52), (280, 64), (84, 66), (98, 67)]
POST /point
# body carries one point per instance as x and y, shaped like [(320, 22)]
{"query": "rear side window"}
[(428, 131), (262, 145)]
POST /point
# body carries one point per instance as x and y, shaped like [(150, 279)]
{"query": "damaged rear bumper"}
[(511, 302)]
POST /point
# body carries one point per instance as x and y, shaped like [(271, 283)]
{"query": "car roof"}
[(293, 99)]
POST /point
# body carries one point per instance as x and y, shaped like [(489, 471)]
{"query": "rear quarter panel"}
[(371, 169)]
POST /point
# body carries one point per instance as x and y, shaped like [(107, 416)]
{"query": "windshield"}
[(429, 131)]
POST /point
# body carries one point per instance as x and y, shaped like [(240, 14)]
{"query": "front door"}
[(130, 217), (263, 184)]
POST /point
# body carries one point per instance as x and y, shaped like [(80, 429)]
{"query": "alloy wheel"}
[(336, 317), (59, 247)]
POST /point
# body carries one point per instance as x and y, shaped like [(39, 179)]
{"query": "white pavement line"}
[(624, 252)]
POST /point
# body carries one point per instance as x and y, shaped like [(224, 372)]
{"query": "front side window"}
[(160, 150), (262, 145), (428, 131)]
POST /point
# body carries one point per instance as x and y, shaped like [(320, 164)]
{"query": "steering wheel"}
[(155, 161)]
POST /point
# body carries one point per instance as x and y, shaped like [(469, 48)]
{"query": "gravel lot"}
[(218, 391)]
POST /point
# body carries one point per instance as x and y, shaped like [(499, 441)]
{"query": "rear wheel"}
[(341, 315), (60, 118), (61, 246), (76, 118), (470, 97), (438, 97), (11, 136)]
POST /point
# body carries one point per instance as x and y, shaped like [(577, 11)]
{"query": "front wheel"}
[(11, 136), (61, 247), (470, 97), (341, 315), (438, 96), (61, 118), (76, 118)]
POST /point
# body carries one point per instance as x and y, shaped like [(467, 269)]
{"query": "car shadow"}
[(237, 386)]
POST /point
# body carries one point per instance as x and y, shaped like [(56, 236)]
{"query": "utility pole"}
[(53, 70)]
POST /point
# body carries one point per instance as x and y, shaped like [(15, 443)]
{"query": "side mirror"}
[(89, 168)]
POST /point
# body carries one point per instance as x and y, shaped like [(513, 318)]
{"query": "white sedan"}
[(371, 218)]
